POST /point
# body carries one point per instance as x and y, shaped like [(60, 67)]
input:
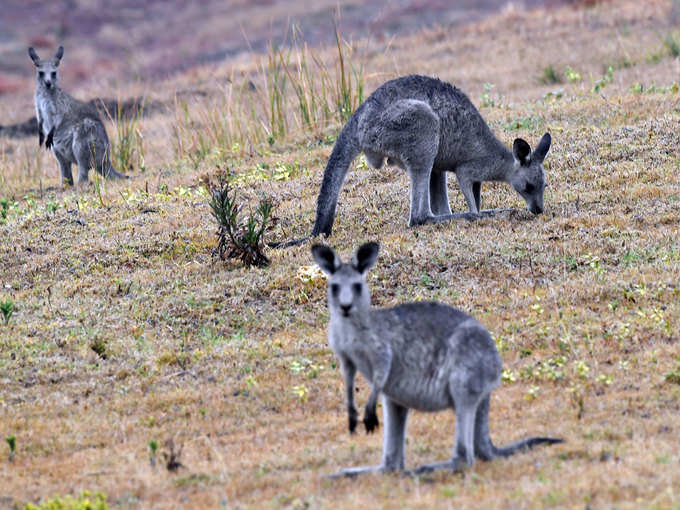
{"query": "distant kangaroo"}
[(429, 127), (71, 128), (425, 356)]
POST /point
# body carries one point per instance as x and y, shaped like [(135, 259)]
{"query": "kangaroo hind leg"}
[(88, 149), (85, 158), (484, 449), (395, 417), (408, 132), (439, 193), (477, 194), (65, 169), (463, 450)]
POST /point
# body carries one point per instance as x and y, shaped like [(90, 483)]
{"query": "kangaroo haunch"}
[(425, 356), (71, 128), (429, 127)]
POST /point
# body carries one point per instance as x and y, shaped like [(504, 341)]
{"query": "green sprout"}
[(7, 309), (153, 446), (12, 442)]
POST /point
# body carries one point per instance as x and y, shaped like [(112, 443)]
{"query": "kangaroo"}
[(71, 128), (429, 127), (425, 356)]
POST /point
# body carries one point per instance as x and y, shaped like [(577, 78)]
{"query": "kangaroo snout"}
[(345, 309), (536, 209)]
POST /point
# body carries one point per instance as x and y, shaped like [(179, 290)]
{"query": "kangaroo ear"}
[(365, 257), (328, 261), (521, 151), (58, 55), (543, 147), (34, 56)]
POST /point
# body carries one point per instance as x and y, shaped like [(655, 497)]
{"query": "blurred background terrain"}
[(129, 39)]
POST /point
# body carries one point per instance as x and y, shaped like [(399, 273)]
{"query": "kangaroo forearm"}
[(349, 373)]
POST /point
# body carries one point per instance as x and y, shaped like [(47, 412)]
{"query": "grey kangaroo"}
[(71, 128), (429, 127), (425, 356)]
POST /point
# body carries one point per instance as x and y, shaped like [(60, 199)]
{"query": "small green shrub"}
[(85, 501), (672, 45), (571, 74), (602, 82), (550, 76), (237, 238), (12, 442), (4, 208), (7, 309), (153, 447)]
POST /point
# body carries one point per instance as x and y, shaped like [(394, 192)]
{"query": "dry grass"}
[(126, 330)]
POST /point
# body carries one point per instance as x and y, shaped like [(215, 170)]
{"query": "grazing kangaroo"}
[(71, 128), (425, 356), (429, 127)]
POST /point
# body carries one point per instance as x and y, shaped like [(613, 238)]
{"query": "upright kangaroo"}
[(429, 127), (71, 128), (425, 356)]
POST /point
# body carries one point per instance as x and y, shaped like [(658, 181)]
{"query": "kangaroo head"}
[(46, 69), (348, 292), (528, 177)]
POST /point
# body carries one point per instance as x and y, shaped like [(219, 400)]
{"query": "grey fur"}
[(71, 128), (429, 128), (425, 356)]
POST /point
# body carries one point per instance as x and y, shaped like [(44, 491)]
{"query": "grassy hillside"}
[(126, 332)]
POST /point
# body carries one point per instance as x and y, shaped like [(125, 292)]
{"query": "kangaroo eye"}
[(335, 289), (54, 75), (357, 288), (41, 74), (528, 188)]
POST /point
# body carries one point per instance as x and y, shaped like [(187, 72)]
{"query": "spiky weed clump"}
[(242, 239)]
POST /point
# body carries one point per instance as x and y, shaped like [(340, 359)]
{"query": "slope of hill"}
[(126, 39)]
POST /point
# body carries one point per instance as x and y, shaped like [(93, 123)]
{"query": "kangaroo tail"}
[(288, 244), (111, 173), (345, 150), (523, 444)]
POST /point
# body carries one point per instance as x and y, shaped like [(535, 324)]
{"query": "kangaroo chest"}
[(49, 111), (349, 343)]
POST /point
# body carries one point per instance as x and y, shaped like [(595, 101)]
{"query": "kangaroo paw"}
[(50, 139), (352, 422), (371, 421), (456, 464)]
